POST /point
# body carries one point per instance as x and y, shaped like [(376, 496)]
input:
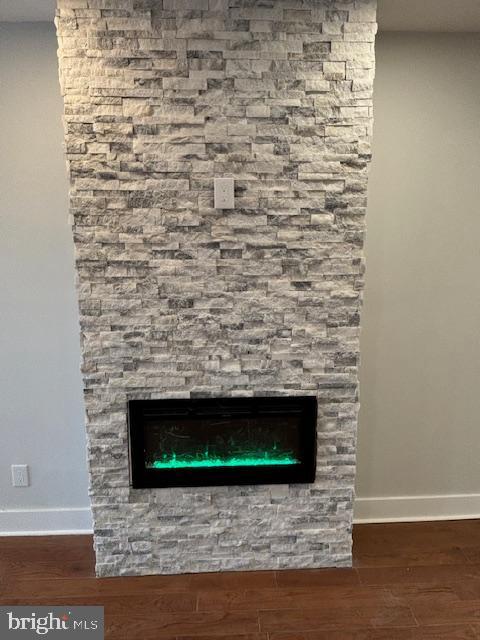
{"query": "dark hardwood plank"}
[(457, 632), (27, 587), (248, 636), (412, 544), (317, 577), (432, 535), (434, 613), (42, 557), (408, 594), (354, 618), (159, 625), (142, 605), (232, 580), (292, 598), (476, 630), (467, 589), (46, 547), (472, 553), (440, 574)]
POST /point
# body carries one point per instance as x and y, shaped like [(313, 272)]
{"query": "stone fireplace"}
[(180, 300)]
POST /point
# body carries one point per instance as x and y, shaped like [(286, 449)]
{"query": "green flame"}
[(266, 460)]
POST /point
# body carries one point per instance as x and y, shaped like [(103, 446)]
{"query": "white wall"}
[(420, 375), (41, 411), (428, 15), (419, 422)]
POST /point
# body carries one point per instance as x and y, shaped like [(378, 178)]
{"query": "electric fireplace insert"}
[(222, 441)]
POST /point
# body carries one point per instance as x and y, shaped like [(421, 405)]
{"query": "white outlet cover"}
[(20, 476), (223, 193)]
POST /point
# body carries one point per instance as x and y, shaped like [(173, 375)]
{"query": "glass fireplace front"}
[(222, 441)]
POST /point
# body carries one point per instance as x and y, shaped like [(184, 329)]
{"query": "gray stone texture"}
[(178, 299)]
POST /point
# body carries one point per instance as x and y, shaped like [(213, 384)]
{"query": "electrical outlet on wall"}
[(223, 193), (20, 476)]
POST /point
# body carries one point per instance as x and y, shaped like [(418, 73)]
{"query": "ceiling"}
[(393, 15)]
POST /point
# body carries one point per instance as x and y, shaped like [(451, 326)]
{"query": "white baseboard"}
[(417, 508), (38, 522)]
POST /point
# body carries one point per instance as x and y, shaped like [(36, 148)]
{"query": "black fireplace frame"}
[(142, 477)]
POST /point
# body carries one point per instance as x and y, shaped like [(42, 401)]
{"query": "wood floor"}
[(409, 582)]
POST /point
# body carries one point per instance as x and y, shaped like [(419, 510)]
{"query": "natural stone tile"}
[(178, 299)]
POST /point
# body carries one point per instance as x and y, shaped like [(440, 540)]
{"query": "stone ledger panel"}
[(179, 299)]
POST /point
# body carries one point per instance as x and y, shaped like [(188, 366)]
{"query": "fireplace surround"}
[(182, 301)]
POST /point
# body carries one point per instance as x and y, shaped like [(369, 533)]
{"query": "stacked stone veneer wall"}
[(177, 298)]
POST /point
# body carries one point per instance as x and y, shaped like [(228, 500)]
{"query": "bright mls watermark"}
[(51, 622)]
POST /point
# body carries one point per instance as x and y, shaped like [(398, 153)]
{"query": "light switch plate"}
[(223, 193)]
